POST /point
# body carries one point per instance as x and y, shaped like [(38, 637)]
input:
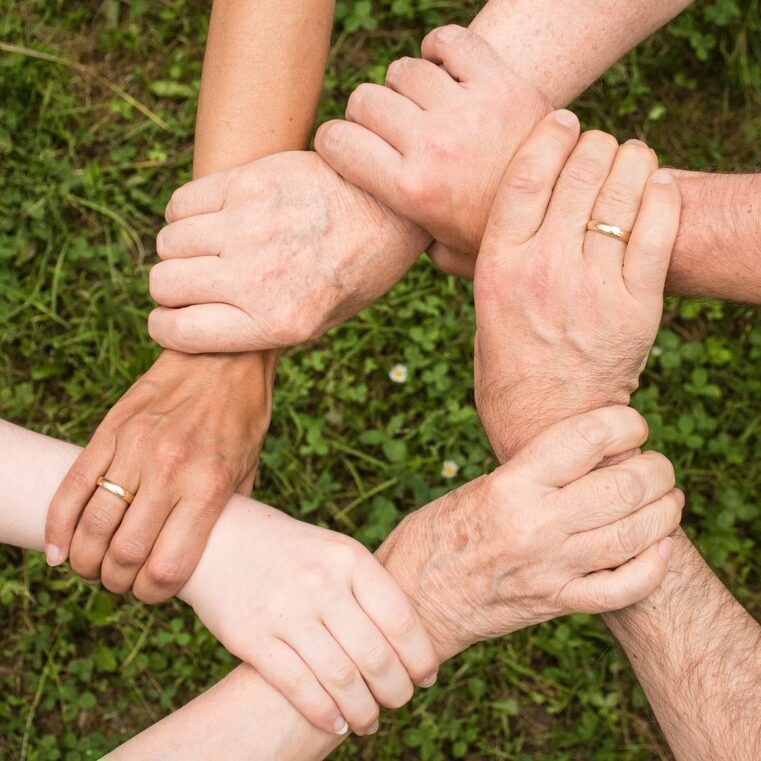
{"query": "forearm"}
[(562, 48), (697, 654), (718, 251), (262, 79)]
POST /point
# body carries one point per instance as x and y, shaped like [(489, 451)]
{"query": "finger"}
[(634, 581), (573, 447), (103, 515), (361, 157), (202, 196), (202, 235), (134, 539), (206, 328), (522, 199), (183, 282), (618, 204), (386, 113), (579, 185), (181, 542), (392, 612), (452, 262), (286, 672), (618, 542), (464, 54), (421, 82), (648, 254), (74, 493), (338, 676), (376, 660), (607, 494)]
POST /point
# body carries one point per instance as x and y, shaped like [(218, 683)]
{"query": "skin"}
[(155, 441), (223, 300), (552, 487), (695, 649), (431, 144)]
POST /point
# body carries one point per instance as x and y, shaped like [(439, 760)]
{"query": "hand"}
[(314, 613), (272, 254), (543, 536), (435, 141), (566, 317), (183, 439)]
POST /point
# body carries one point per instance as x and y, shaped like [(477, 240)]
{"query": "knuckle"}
[(296, 680), (378, 659), (591, 430), (617, 195), (443, 145), (525, 179), (172, 452), (128, 551), (404, 622), (343, 675), (166, 572), (584, 172), (629, 487), (77, 480), (97, 522), (415, 190), (629, 536)]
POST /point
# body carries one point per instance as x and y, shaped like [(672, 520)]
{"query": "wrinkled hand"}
[(271, 254), (538, 537), (314, 613), (434, 142), (566, 317), (183, 439)]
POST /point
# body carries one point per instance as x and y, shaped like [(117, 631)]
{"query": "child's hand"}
[(314, 613), (434, 142)]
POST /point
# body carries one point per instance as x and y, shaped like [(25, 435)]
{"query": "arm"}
[(552, 487), (165, 439), (292, 214), (696, 651)]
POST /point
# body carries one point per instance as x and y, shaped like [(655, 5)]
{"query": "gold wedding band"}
[(612, 231), (116, 490)]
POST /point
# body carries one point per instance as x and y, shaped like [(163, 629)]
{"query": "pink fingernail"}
[(53, 554), (373, 728), (665, 548), (565, 117), (341, 726), (428, 681), (661, 177), (634, 141)]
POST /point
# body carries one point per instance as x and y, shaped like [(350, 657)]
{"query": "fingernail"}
[(331, 137), (429, 681), (665, 548), (634, 141), (341, 726), (565, 117), (91, 581), (446, 33), (53, 554), (680, 496), (661, 177), (373, 728)]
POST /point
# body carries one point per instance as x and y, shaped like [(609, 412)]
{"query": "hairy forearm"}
[(697, 654), (262, 78), (718, 251), (561, 48)]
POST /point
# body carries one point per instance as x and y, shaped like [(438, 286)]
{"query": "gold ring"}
[(116, 490), (612, 231)]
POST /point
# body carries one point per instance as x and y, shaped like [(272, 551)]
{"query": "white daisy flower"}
[(398, 374), (449, 469)]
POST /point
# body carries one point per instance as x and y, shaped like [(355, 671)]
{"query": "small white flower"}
[(449, 469), (398, 374), (656, 351)]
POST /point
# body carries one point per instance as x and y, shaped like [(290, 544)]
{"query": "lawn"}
[(97, 103)]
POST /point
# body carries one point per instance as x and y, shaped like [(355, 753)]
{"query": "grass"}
[(96, 123)]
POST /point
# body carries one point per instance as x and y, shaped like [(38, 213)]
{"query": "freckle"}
[(460, 542)]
